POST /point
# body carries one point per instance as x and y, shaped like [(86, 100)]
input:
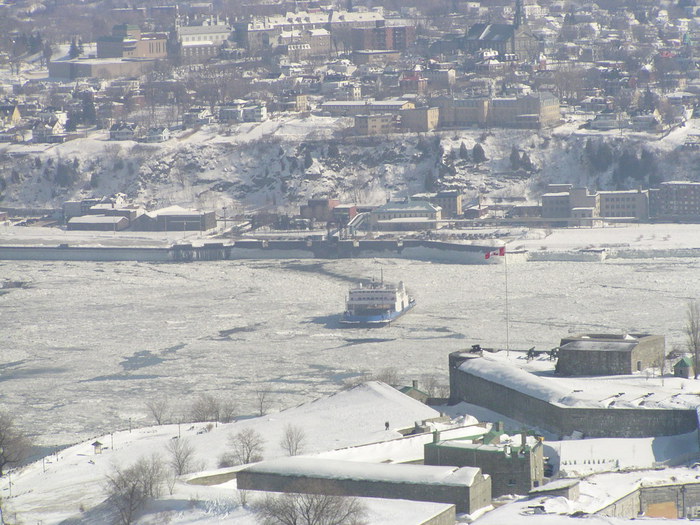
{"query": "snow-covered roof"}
[(338, 469), (176, 210), (96, 219), (411, 205), (352, 103), (594, 345)]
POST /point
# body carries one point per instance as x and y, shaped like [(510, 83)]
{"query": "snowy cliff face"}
[(280, 164)]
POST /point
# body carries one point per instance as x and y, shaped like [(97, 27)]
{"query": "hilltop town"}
[(188, 188), (178, 105)]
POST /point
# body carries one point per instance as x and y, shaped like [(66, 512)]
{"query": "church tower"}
[(519, 17)]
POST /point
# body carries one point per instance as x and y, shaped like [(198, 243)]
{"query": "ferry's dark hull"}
[(370, 321)]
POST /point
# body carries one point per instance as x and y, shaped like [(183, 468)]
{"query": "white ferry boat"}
[(376, 304)]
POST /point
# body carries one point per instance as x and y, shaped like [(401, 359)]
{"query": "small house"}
[(413, 392), (9, 115), (157, 134), (196, 117), (48, 132), (97, 447), (123, 131), (684, 368)]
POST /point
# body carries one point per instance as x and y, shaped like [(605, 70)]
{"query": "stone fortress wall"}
[(563, 420)]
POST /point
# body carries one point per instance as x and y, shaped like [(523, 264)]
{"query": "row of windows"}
[(618, 199), (618, 207), (400, 215), (203, 38)]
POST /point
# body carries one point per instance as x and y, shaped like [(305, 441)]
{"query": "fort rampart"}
[(565, 420)]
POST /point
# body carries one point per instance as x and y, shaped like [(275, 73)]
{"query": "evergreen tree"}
[(73, 52), (71, 124), (515, 162), (526, 162), (603, 158), (478, 153), (89, 113), (463, 151), (589, 151), (47, 52), (627, 167), (648, 164), (333, 151), (308, 160)]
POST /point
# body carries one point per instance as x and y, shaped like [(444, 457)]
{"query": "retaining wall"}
[(564, 420)]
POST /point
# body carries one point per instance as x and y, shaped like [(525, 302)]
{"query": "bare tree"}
[(310, 509), (434, 387), (129, 489), (692, 332), (263, 401), (159, 409), (293, 440), (15, 446), (181, 456), (390, 376), (246, 446), (209, 408)]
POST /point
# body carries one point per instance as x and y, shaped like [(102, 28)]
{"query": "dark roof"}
[(490, 32)]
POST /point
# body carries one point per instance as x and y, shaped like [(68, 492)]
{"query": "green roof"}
[(684, 362)]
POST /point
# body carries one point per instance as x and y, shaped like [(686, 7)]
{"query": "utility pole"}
[(505, 271)]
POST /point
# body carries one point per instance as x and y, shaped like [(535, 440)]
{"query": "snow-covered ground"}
[(69, 484)]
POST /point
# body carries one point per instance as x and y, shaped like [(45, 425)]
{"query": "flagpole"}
[(505, 271)]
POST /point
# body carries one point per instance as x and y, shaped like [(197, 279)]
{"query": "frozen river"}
[(85, 345)]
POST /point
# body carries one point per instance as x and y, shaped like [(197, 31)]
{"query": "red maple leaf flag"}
[(501, 251)]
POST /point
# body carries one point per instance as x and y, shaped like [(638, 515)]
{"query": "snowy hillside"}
[(282, 162), (69, 485)]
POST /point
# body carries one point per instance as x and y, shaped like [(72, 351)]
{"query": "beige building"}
[(300, 44), (261, 32), (632, 203), (127, 41), (450, 202), (536, 110), (563, 201), (533, 111), (462, 112), (378, 124), (364, 107), (203, 39), (420, 119)]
